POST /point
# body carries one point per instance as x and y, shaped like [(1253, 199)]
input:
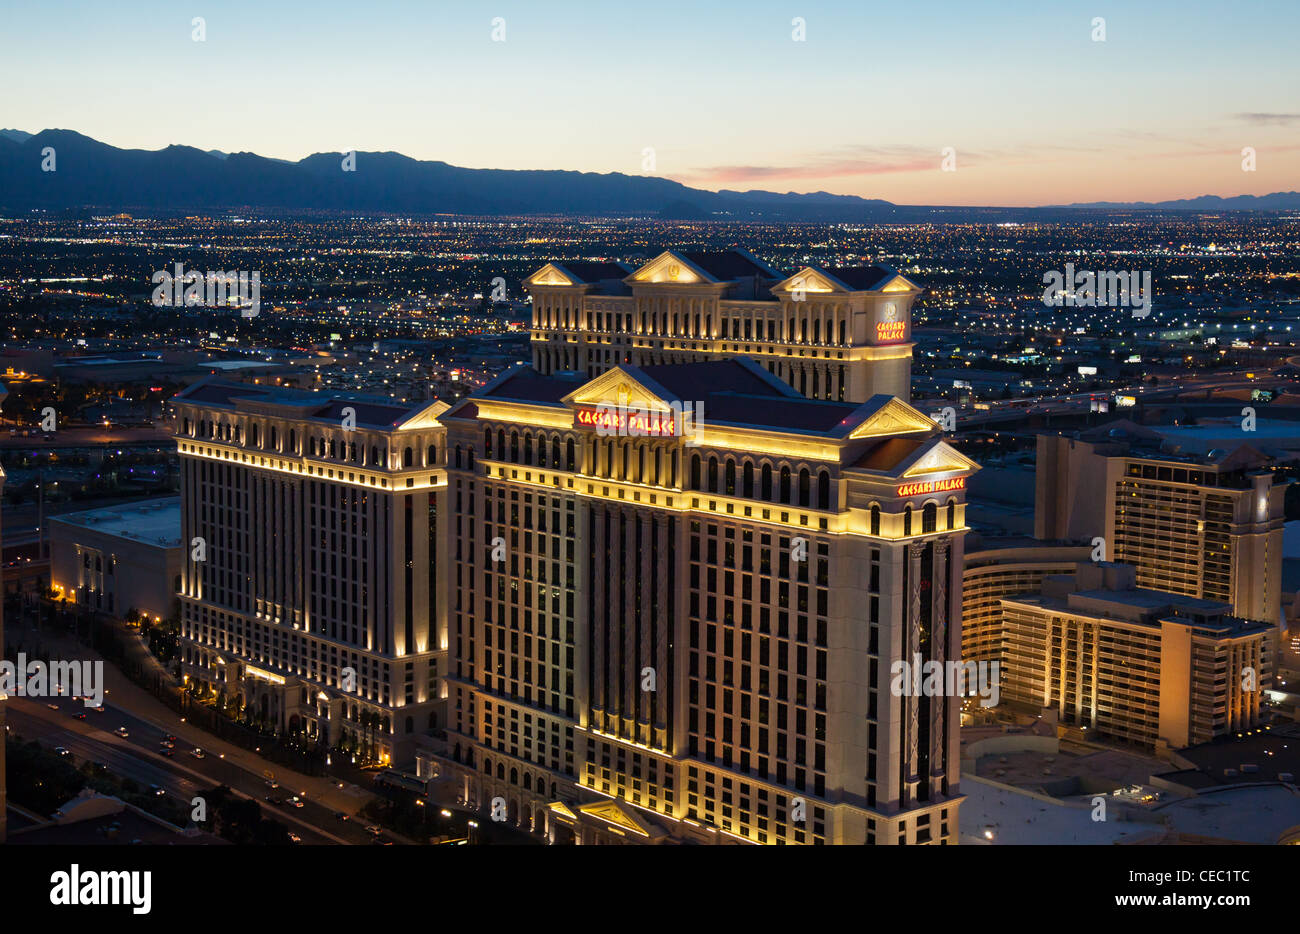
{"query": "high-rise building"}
[(1206, 526), (992, 573), (841, 334), (677, 596), (310, 595), (1150, 668)]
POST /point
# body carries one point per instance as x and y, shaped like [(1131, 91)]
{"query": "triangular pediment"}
[(618, 387), (900, 284), (550, 274), (668, 267), (559, 807), (895, 417), (426, 417), (939, 458), (808, 279), (613, 813)]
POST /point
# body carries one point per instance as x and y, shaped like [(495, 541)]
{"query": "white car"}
[(197, 753), (121, 731)]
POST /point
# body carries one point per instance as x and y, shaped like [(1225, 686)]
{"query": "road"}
[(148, 721), (138, 757)]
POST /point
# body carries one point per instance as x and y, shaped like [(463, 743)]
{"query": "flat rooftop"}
[(151, 521)]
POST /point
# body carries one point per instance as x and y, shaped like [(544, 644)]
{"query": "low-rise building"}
[(120, 558)]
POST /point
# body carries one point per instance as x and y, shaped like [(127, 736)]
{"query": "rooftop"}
[(153, 521), (372, 411)]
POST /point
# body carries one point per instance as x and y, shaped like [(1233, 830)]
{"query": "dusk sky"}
[(1037, 111)]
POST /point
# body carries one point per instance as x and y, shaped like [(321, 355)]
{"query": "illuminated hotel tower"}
[(316, 597), (1203, 526), (687, 634), (842, 334)]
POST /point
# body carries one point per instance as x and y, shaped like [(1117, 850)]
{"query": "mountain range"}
[(88, 174)]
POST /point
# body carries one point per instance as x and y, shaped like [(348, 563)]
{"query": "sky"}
[(1019, 99)]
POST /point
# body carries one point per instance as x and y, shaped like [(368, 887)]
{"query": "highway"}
[(139, 757)]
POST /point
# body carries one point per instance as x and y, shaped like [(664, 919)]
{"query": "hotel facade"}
[(311, 586), (839, 334), (676, 595), (1153, 669), (1202, 526), (993, 573)]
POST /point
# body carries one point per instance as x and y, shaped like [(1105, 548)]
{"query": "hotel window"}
[(875, 519)]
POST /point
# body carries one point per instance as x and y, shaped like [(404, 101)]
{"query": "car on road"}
[(168, 752), (121, 731), (99, 709), (197, 753), (373, 830), (342, 815), (79, 715), (272, 784), (274, 799), (294, 838), (167, 744), (52, 706), (62, 751), (296, 801), (157, 789)]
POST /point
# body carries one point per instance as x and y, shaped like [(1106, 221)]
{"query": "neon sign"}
[(890, 330), (932, 486), (621, 420)]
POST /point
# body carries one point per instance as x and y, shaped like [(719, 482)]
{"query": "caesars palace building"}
[(842, 334), (644, 591)]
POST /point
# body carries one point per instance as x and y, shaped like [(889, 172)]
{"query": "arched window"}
[(487, 443), (570, 460), (952, 514), (408, 458), (374, 456), (875, 519), (275, 439), (765, 484), (431, 456), (785, 484), (458, 457), (803, 486), (501, 444), (293, 442), (514, 447), (730, 477), (555, 454), (907, 520), (929, 518), (824, 489), (747, 480), (713, 474), (695, 471), (255, 435)]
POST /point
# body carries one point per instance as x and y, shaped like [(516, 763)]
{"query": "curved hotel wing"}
[(676, 596)]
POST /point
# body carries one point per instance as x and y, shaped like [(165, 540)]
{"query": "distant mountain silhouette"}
[(91, 174), (1277, 201)]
